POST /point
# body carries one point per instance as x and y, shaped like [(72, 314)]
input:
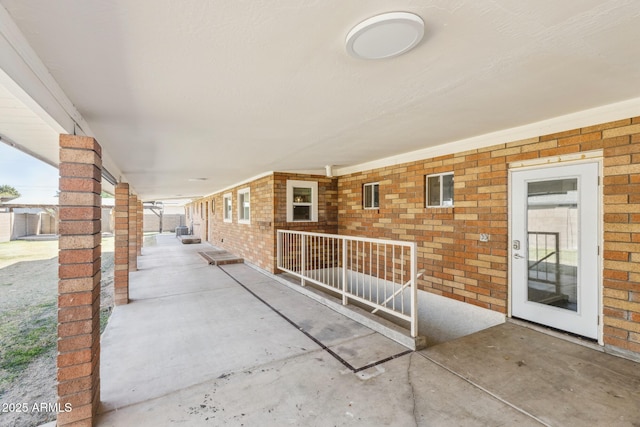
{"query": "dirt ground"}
[(28, 326)]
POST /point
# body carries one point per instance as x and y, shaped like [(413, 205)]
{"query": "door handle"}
[(518, 256)]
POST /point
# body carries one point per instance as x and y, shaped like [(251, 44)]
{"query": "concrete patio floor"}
[(207, 345)]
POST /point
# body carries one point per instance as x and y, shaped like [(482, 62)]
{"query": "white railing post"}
[(345, 300), (414, 290), (303, 261), (278, 249)]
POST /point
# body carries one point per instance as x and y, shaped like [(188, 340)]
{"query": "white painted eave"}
[(25, 76), (594, 116)]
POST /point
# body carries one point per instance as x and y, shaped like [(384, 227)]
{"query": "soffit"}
[(225, 90)]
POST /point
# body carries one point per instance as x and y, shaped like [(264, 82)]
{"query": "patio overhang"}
[(175, 123), (175, 99)]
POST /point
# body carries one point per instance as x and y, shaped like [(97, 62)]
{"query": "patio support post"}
[(121, 243), (79, 257), (133, 233), (139, 227)]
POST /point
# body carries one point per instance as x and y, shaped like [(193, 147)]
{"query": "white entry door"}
[(554, 247)]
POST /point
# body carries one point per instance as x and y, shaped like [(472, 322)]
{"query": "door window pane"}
[(552, 233)]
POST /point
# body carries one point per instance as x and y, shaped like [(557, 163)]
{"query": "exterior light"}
[(385, 36)]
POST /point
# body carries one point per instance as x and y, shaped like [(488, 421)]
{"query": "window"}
[(302, 201), (371, 196), (440, 190), (227, 206), (244, 206)]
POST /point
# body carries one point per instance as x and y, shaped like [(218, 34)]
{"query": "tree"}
[(8, 191)]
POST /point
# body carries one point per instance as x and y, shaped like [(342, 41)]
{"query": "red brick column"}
[(121, 255), (139, 226), (79, 280), (133, 233)]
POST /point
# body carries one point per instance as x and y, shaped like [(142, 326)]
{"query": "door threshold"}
[(556, 333)]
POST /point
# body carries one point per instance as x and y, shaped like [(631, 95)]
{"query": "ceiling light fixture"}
[(385, 36)]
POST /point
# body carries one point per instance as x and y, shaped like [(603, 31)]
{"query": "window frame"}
[(240, 194), (291, 204), (227, 210), (373, 186), (441, 189)]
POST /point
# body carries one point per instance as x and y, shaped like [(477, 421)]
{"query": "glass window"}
[(371, 196), (227, 206), (301, 213), (302, 200), (440, 190), (244, 206), (302, 195)]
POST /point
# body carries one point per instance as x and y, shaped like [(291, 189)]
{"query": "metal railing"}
[(381, 274), (544, 252)]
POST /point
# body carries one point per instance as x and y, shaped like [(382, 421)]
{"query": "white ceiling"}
[(226, 90)]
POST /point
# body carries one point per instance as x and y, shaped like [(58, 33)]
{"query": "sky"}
[(33, 178)]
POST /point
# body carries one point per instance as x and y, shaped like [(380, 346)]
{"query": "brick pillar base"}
[(79, 280), (121, 243)]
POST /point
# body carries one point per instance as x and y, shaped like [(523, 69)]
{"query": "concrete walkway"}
[(206, 345)]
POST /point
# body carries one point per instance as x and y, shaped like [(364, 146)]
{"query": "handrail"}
[(353, 238), (535, 264), (533, 272), (370, 271)]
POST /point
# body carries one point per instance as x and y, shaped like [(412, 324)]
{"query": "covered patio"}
[(262, 117), (181, 352)]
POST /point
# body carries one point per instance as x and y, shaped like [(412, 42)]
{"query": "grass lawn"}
[(28, 314), (23, 250)]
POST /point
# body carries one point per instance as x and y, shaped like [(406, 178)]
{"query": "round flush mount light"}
[(385, 36)]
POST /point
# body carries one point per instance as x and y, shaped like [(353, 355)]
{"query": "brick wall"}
[(457, 265), (256, 242), (327, 203), (253, 241), (622, 234)]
